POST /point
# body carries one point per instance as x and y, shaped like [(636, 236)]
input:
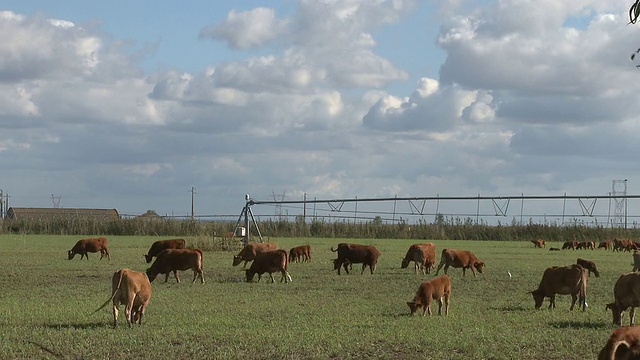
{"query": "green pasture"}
[(46, 302)]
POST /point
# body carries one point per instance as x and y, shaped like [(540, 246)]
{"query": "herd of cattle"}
[(133, 289)]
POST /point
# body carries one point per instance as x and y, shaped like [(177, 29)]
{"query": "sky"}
[(146, 105)]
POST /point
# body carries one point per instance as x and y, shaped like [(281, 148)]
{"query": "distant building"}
[(39, 214), (150, 215)]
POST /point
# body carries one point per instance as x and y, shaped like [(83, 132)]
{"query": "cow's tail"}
[(333, 250), (112, 295), (583, 288), (286, 266)]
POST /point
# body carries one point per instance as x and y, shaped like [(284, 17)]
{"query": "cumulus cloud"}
[(243, 30)]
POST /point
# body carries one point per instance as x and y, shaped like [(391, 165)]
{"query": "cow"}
[(460, 259), (570, 245), (131, 289), (607, 244), (623, 344), (563, 280), (626, 294), (269, 262), (300, 253), (636, 261), (423, 256), (626, 245), (539, 243), (248, 253), (367, 255), (172, 260), (589, 265), (554, 249), (438, 288), (90, 245), (158, 246)]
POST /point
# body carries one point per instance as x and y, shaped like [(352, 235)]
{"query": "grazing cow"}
[(539, 243), (269, 262), (554, 249), (562, 280), (438, 288), (570, 245), (131, 289), (172, 260), (92, 245), (423, 256), (589, 265), (626, 245), (248, 253), (300, 253), (367, 255), (460, 259), (623, 344), (626, 294), (158, 246), (607, 244), (636, 261)]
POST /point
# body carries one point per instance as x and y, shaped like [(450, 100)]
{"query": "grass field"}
[(46, 302)]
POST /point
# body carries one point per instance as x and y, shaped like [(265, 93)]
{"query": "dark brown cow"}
[(131, 289), (626, 294), (539, 243), (460, 259), (367, 255), (158, 246), (91, 245), (607, 244), (562, 280), (623, 344), (423, 256), (248, 253), (269, 262), (172, 260), (439, 289), (554, 249), (589, 265), (300, 253), (570, 245)]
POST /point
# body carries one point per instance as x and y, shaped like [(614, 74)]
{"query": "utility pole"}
[(193, 192), (1, 205)]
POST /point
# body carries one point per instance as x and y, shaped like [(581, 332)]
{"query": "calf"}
[(554, 249), (269, 262), (367, 255), (460, 259), (423, 256), (131, 289), (300, 253), (172, 260), (158, 246), (91, 245), (563, 280), (438, 288), (589, 265), (623, 344), (248, 253), (539, 243), (626, 294)]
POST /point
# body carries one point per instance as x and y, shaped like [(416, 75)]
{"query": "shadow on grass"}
[(92, 325), (579, 325), (46, 349), (511, 308)]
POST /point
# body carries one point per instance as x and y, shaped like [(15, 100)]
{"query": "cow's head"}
[(249, 275), (616, 312), (414, 306), (405, 263), (538, 298), (151, 275), (237, 260), (148, 258), (479, 265), (70, 254)]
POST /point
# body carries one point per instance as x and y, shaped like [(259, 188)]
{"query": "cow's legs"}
[(272, 279), (446, 304), (115, 313), (632, 316), (364, 266), (574, 297), (464, 271), (175, 273), (346, 268), (166, 277), (473, 271), (440, 306)]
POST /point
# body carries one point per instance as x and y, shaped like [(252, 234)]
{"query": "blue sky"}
[(130, 104)]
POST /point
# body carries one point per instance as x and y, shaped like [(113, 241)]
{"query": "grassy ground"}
[(46, 301)]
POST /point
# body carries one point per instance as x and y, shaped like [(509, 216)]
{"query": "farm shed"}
[(15, 214), (150, 215)]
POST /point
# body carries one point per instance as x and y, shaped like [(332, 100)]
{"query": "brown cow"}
[(300, 253), (91, 245), (589, 265), (438, 288), (367, 255), (626, 294), (172, 260), (626, 245), (269, 262), (539, 243), (562, 280), (423, 256), (131, 289), (623, 344), (248, 253), (158, 246), (607, 244), (570, 245), (460, 259), (636, 261)]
